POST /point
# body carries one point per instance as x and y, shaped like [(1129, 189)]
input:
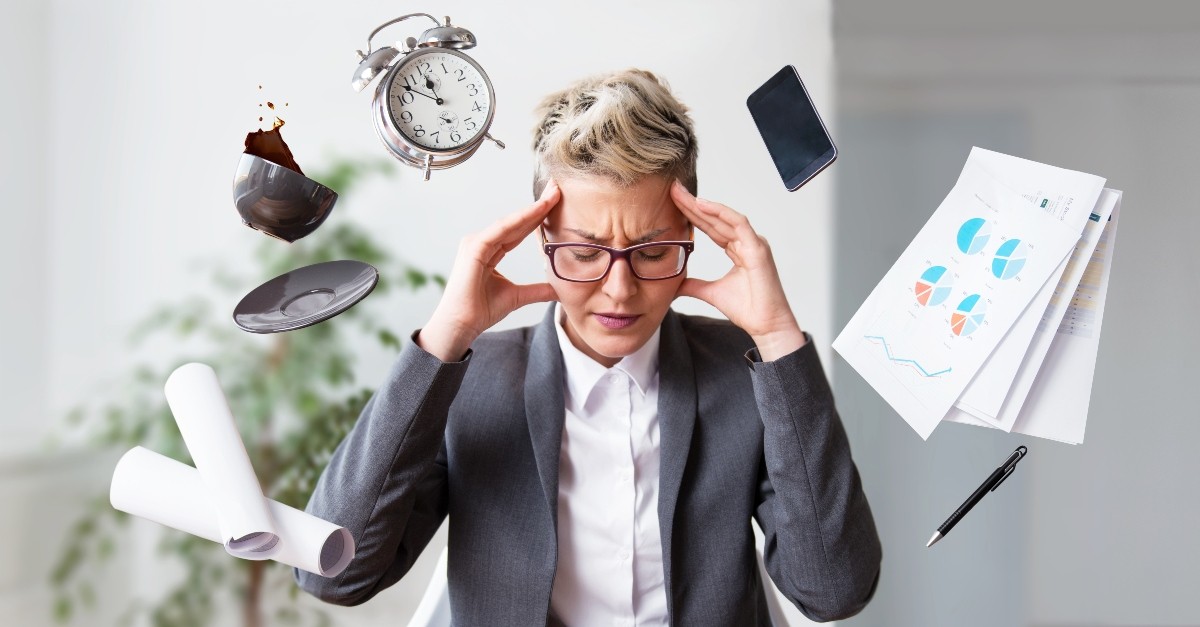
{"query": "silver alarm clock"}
[(434, 104)]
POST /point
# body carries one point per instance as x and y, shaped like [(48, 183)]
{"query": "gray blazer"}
[(479, 440)]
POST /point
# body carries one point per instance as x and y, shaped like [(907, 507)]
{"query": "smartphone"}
[(796, 137)]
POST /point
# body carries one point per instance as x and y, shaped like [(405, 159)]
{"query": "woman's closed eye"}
[(656, 253), (585, 254)]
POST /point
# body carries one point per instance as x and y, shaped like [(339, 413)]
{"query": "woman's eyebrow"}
[(592, 237)]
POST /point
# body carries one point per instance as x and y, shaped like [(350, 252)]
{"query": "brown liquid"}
[(269, 145)]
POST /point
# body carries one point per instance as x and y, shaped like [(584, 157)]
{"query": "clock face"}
[(439, 100)]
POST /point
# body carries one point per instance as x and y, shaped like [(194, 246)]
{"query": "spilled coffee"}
[(269, 145)]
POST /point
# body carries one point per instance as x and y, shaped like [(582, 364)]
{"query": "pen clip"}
[(1003, 477), (1010, 465)]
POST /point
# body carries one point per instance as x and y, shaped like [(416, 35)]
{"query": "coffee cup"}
[(279, 201)]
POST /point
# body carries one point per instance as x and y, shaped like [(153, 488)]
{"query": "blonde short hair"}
[(622, 126)]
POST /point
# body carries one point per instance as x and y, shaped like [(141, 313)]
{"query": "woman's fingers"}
[(689, 206), (534, 293), (729, 223), (727, 228), (507, 233), (513, 228), (697, 288), (717, 219)]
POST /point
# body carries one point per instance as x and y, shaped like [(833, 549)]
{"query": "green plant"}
[(294, 399)]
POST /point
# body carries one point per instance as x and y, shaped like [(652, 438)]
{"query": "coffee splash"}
[(269, 144)]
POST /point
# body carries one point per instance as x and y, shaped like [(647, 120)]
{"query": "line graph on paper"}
[(912, 363)]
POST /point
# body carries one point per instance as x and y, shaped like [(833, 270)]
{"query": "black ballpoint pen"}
[(993, 481)]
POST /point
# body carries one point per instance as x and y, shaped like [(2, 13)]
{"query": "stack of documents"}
[(991, 316)]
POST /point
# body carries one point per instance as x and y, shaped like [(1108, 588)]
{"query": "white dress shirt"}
[(610, 569)]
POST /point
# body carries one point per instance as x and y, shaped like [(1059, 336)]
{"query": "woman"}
[(603, 467)]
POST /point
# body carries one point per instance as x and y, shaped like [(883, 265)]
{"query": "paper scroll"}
[(221, 499), (212, 438), (162, 490)]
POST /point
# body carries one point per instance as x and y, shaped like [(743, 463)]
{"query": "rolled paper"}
[(212, 437), (171, 493)]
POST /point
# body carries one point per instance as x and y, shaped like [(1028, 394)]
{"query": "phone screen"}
[(790, 126)]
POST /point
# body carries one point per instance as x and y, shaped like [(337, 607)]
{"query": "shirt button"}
[(624, 555)]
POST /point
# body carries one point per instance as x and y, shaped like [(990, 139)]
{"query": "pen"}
[(993, 481)]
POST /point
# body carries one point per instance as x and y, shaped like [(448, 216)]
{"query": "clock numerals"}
[(423, 125)]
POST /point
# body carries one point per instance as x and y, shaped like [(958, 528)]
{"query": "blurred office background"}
[(122, 125), (1103, 533)]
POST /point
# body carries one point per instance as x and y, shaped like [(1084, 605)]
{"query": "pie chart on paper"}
[(1010, 258), (934, 286), (968, 316), (973, 235)]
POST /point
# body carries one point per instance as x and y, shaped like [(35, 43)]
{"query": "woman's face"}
[(613, 317)]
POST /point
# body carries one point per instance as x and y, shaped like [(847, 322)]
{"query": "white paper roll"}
[(160, 489), (212, 437)]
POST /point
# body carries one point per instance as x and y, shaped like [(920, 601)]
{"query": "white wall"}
[(146, 105), (23, 236)]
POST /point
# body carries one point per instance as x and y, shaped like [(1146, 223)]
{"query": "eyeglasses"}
[(582, 263)]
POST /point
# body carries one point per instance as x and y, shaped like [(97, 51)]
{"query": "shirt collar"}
[(582, 373)]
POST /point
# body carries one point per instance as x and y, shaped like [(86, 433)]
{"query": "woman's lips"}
[(616, 321)]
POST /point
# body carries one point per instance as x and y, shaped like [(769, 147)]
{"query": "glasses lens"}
[(580, 263), (658, 262)]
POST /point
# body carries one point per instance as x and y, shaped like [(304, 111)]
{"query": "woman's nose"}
[(620, 284)]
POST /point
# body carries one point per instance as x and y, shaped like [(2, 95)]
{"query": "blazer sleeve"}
[(386, 482), (821, 547)]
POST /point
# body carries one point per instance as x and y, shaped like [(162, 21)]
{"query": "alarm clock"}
[(433, 105)]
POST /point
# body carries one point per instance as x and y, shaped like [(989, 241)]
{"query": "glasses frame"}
[(614, 254)]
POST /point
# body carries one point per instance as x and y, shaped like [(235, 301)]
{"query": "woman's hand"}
[(750, 294), (476, 295)]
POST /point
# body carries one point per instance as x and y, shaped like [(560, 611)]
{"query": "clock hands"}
[(429, 84), (434, 97)]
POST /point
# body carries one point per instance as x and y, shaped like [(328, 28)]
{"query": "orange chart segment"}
[(934, 286), (968, 316), (924, 290), (956, 323)]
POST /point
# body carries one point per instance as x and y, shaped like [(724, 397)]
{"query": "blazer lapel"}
[(676, 420), (545, 408)]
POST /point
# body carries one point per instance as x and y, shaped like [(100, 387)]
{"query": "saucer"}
[(305, 296)]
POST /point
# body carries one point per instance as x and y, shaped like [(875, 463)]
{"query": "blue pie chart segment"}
[(968, 316), (973, 235), (1010, 258)]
